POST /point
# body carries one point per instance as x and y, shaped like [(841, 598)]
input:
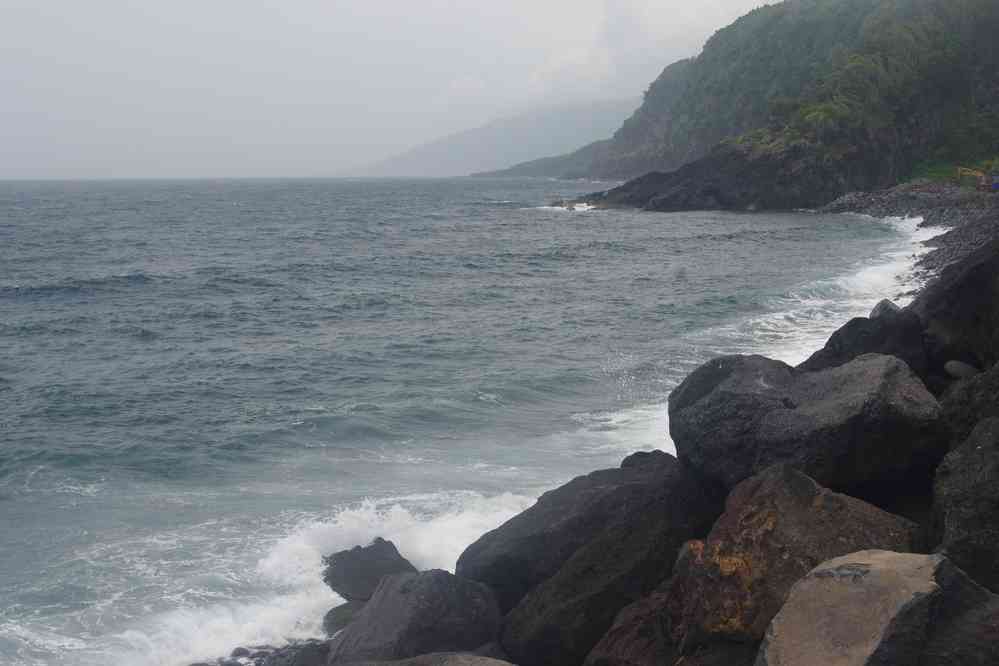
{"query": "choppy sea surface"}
[(206, 386)]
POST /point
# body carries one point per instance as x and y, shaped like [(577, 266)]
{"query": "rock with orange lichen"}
[(777, 527)]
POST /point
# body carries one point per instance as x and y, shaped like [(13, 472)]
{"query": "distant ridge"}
[(510, 140)]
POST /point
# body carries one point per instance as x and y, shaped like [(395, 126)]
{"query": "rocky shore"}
[(844, 511)]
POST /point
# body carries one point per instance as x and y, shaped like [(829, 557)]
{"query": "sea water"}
[(206, 386)]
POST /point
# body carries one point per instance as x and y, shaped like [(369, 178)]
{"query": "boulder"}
[(560, 620), (354, 574), (877, 607), (415, 614), (307, 653), (638, 636), (967, 505), (889, 330), (868, 427), (439, 659), (340, 616), (776, 527), (960, 310), (530, 547), (959, 370), (968, 401)]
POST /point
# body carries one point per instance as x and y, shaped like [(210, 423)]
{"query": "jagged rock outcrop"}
[(967, 505), (868, 427), (532, 546), (559, 621), (354, 574), (416, 614), (877, 607)]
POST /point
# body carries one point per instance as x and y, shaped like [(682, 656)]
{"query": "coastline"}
[(971, 221)]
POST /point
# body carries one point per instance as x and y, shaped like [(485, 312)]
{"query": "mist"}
[(118, 89)]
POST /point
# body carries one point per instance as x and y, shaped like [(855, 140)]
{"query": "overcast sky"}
[(192, 88)]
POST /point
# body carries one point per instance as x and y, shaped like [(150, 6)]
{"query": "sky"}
[(259, 88)]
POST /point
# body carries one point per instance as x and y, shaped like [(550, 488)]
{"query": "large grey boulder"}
[(560, 620), (868, 427), (966, 505), (416, 614), (877, 608), (532, 546), (354, 574)]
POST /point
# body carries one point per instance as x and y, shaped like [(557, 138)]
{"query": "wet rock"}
[(960, 310), (893, 331), (340, 616), (968, 401), (417, 614), (868, 427), (647, 458), (240, 652), (776, 527), (306, 653), (877, 607), (967, 505), (354, 574), (560, 621), (532, 546)]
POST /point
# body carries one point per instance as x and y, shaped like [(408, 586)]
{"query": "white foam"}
[(430, 530)]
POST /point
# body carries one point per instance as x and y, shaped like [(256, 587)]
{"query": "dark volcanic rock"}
[(638, 636), (439, 659), (415, 614), (967, 505), (339, 617), (354, 574), (868, 427), (877, 607), (308, 653), (969, 401), (560, 621), (776, 527), (749, 173), (894, 331), (960, 311), (530, 547)]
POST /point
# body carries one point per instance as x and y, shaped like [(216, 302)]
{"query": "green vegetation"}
[(893, 83)]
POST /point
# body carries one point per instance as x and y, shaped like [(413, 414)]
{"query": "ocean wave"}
[(431, 530), (71, 286)]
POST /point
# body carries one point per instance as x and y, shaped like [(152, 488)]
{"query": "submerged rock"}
[(967, 505), (560, 621), (877, 607), (354, 574), (416, 614), (532, 546), (868, 427)]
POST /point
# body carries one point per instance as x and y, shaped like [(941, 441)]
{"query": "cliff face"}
[(923, 86), (772, 54)]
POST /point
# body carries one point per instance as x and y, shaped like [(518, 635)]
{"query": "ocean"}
[(205, 386)]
